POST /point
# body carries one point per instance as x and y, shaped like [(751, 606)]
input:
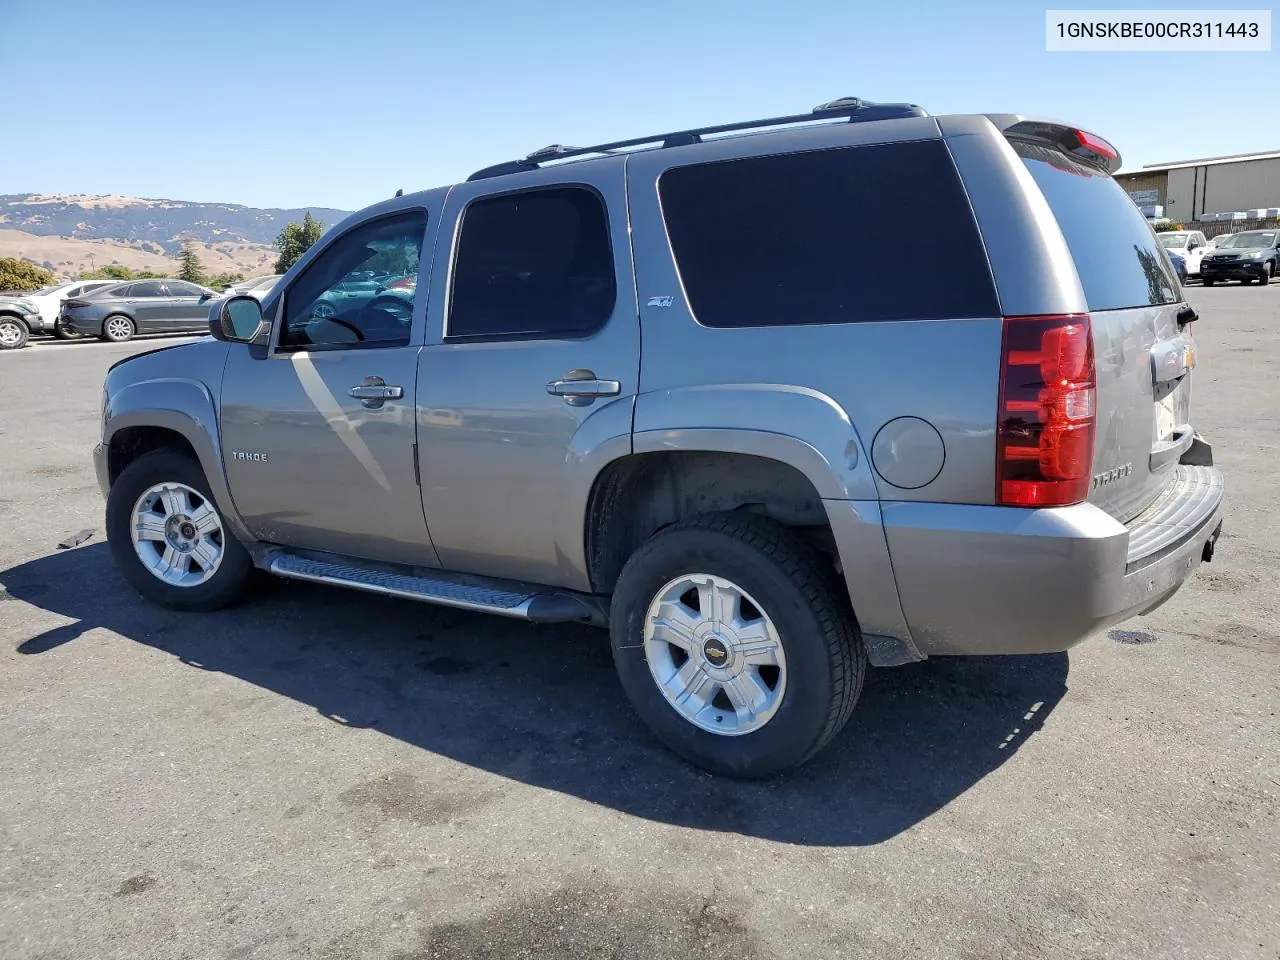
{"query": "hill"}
[(75, 233), (166, 223), (68, 258)]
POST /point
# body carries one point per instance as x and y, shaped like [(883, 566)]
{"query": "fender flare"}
[(186, 407)]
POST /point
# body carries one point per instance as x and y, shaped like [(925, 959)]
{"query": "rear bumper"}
[(999, 580), (81, 325)]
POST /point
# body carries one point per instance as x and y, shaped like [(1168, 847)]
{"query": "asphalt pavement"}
[(332, 775)]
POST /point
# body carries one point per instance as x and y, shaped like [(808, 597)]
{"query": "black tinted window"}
[(180, 288), (361, 290), (783, 240), (536, 263), (1119, 260), (147, 288)]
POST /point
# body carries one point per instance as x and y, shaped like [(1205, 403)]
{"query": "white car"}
[(1188, 244), (48, 302), (1218, 241), (258, 287)]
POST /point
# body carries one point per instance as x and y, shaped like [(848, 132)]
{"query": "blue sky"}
[(285, 104)]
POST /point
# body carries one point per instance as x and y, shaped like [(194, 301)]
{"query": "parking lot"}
[(333, 775)]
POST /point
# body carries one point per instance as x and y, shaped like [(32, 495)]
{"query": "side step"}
[(503, 599)]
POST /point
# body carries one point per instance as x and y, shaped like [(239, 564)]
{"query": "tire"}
[(1267, 271), (62, 333), (232, 572), (1207, 282), (822, 658), (118, 328), (1247, 281), (13, 333)]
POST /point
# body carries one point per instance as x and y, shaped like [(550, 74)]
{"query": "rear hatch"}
[(1142, 352)]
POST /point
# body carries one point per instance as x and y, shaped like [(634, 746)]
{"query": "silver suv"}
[(664, 386)]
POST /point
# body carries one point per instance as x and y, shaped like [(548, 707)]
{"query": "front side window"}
[(535, 264), (353, 294)]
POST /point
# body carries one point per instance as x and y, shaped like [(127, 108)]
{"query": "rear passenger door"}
[(186, 310), (530, 368), (146, 301)]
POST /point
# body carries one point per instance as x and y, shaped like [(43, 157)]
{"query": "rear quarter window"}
[(1120, 262), (846, 235)]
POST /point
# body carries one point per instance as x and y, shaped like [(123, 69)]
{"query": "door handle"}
[(584, 388), (374, 392)]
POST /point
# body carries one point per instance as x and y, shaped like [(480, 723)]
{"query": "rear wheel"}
[(62, 333), (13, 333), (168, 537), (118, 328), (735, 644)]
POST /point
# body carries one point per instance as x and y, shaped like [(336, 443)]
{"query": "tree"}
[(191, 270), (295, 240), (223, 280), (112, 272), (16, 274)]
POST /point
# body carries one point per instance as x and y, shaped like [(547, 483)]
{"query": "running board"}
[(503, 599)]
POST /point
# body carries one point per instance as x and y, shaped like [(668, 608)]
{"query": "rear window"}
[(852, 234), (1119, 260)]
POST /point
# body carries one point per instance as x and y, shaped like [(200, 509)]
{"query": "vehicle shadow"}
[(541, 705)]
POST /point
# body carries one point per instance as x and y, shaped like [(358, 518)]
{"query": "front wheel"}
[(1206, 281), (118, 328), (13, 333), (735, 644), (1267, 271), (168, 537)]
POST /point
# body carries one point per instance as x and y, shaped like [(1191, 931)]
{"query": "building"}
[(1191, 190)]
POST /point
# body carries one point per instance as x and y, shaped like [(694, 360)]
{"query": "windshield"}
[(1255, 238), (1173, 241)]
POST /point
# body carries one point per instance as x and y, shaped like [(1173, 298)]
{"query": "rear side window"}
[(848, 235), (1119, 260), (533, 264)]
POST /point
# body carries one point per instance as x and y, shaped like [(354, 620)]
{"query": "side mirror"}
[(236, 319), (206, 295)]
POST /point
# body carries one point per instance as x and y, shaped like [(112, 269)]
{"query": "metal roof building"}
[(1190, 189)]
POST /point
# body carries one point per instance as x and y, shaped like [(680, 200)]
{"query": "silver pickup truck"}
[(664, 386)]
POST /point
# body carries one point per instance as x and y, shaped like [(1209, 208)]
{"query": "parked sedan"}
[(257, 287), (139, 306), (1179, 264), (1248, 257)]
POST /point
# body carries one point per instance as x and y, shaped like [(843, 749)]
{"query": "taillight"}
[(404, 283), (74, 303), (1046, 420)]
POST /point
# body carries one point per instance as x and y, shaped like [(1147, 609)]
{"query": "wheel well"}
[(636, 496), (132, 442), (16, 316)]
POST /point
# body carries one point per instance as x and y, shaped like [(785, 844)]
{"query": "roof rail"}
[(858, 111)]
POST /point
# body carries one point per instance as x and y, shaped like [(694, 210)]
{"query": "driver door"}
[(318, 429)]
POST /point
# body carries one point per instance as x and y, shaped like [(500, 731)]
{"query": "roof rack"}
[(858, 111)]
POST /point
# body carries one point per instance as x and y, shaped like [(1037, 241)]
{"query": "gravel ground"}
[(331, 775)]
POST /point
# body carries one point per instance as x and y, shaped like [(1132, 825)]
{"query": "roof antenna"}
[(400, 192)]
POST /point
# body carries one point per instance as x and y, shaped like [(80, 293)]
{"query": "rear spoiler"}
[(1080, 144)]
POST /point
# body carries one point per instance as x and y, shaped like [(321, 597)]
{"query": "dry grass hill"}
[(73, 233)]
